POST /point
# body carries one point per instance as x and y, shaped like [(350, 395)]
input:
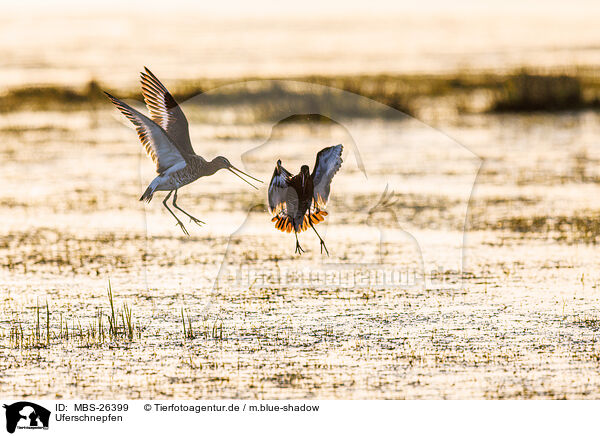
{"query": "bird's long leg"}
[(320, 239), (192, 218), (179, 223), (299, 249)]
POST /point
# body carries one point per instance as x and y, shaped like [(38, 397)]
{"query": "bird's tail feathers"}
[(284, 223)]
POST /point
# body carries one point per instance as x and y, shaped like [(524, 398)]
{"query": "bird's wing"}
[(165, 111), (157, 143), (329, 161), (278, 189)]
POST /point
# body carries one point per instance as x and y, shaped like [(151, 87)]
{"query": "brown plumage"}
[(166, 139), (297, 202)]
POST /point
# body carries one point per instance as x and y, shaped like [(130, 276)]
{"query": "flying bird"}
[(298, 202), (166, 138)]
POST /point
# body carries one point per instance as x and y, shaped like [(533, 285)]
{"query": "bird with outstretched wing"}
[(166, 139), (298, 202)]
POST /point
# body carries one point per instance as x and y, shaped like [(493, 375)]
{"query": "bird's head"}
[(305, 172), (223, 163)]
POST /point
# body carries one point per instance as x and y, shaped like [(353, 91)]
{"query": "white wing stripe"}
[(329, 161), (278, 190), (154, 139)]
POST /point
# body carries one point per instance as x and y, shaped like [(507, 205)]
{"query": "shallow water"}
[(520, 322)]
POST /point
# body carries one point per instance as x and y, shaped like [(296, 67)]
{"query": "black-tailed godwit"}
[(299, 201), (166, 139)]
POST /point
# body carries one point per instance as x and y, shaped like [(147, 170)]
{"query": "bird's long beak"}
[(237, 172)]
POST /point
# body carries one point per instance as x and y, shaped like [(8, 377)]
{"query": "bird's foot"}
[(299, 249), (180, 224), (196, 221), (325, 247)]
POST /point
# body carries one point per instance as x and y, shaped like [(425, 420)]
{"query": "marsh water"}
[(491, 220), (522, 321)]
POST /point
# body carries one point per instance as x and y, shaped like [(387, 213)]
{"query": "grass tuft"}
[(117, 326)]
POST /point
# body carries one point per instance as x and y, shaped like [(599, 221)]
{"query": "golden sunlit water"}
[(499, 208)]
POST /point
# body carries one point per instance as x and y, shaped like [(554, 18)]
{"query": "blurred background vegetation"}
[(526, 90)]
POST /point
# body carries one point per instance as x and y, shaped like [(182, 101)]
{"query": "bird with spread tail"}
[(166, 138), (298, 202)]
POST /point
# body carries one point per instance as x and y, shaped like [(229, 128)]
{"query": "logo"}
[(26, 415)]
